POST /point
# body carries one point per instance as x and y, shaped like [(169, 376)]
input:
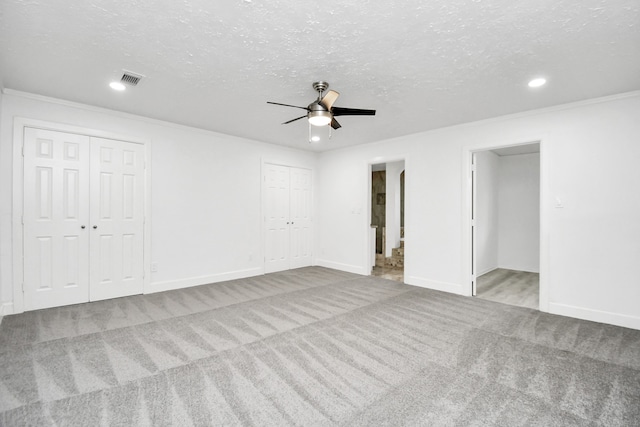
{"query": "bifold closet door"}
[(287, 217), (117, 219), (276, 218), (83, 218), (55, 218), (300, 216)]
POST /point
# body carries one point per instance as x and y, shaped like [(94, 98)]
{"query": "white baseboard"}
[(454, 288), (6, 308), (171, 285), (488, 270), (356, 269), (610, 318)]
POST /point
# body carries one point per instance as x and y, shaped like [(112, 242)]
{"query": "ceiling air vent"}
[(131, 79)]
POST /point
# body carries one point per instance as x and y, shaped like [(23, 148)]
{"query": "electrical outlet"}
[(154, 267)]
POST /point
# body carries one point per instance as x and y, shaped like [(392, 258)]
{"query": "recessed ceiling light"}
[(117, 86), (540, 81)]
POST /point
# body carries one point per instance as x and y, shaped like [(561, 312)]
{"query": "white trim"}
[(19, 124), (170, 285), (608, 317), (349, 268), (544, 269), (454, 288), (6, 308), (488, 270)]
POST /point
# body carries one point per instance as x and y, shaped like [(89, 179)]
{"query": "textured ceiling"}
[(421, 64)]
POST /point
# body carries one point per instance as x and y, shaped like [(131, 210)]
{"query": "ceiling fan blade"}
[(340, 111), (330, 98), (287, 105), (293, 120), (335, 124)]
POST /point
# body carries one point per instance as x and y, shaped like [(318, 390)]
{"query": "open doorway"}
[(387, 219), (506, 225)]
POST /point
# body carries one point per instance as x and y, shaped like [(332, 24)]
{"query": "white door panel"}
[(117, 218), (300, 218), (277, 218), (56, 187)]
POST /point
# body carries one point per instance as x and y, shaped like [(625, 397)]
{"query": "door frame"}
[(468, 256), (263, 209), (19, 124), (370, 262)]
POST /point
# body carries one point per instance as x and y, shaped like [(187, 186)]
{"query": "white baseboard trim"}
[(610, 318), (454, 288), (488, 270), (356, 269), (6, 308), (171, 285)]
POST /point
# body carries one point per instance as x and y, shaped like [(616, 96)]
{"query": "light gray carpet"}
[(314, 347)]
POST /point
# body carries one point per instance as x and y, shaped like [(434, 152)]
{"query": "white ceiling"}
[(421, 64)]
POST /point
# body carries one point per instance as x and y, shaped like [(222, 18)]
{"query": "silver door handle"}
[(95, 226), (83, 227)]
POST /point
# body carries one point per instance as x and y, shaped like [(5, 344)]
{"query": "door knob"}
[(95, 226), (83, 227)]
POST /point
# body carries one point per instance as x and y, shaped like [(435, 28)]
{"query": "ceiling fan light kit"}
[(319, 118), (321, 111)]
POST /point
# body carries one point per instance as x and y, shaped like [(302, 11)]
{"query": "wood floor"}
[(512, 287)]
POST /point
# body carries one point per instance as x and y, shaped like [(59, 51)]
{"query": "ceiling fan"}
[(321, 112)]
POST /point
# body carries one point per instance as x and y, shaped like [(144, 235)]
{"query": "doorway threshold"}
[(390, 273)]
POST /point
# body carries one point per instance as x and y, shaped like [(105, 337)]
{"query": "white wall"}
[(589, 157), (205, 191), (487, 224), (519, 212)]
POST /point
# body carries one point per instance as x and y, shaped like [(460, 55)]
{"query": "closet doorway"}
[(506, 225)]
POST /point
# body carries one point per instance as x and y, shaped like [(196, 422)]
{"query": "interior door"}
[(300, 218), (55, 218), (117, 219), (276, 187)]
